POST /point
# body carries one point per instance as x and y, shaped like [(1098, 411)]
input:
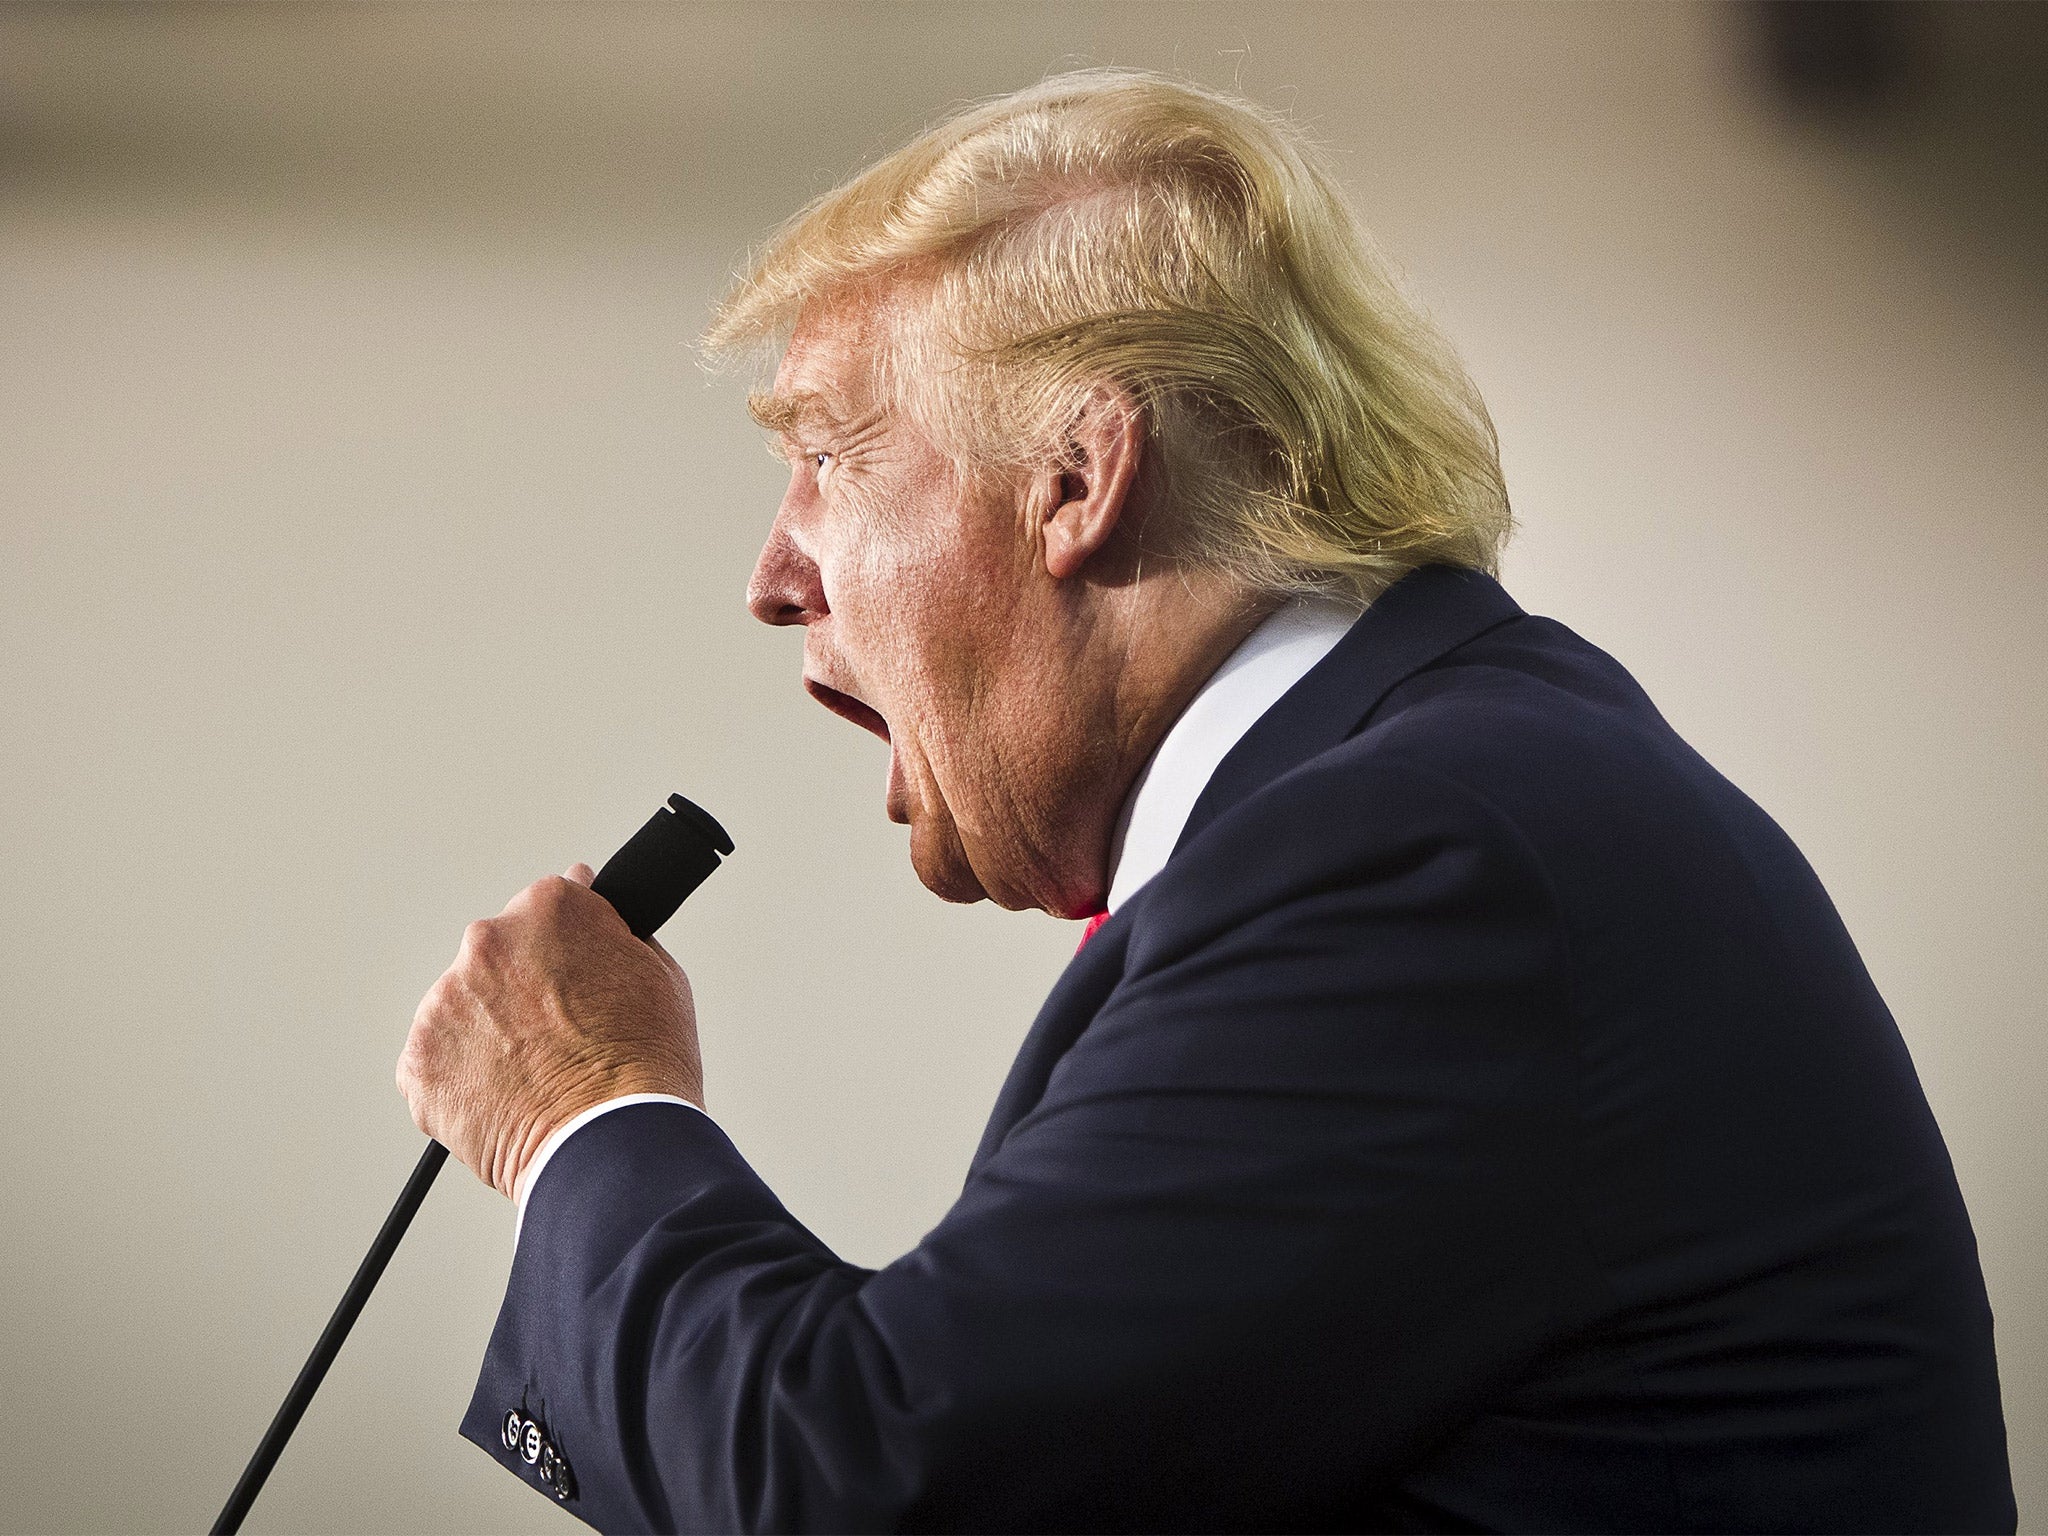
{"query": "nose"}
[(786, 587)]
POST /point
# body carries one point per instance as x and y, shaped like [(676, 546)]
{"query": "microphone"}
[(645, 881)]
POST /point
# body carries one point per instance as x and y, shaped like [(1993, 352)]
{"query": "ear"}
[(1087, 493)]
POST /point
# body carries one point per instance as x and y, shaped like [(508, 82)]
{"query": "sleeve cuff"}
[(530, 1175)]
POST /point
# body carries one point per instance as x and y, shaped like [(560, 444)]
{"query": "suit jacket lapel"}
[(1082, 989), (1415, 621)]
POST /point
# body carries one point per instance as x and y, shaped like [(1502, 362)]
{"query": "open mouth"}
[(847, 707)]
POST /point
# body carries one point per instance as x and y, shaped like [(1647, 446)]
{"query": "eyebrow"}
[(787, 414)]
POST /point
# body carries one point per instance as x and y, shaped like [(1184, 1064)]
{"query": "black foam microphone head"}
[(661, 864)]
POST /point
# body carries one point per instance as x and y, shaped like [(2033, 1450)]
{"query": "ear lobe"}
[(1093, 488)]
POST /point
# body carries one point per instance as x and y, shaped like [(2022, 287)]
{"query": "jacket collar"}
[(1426, 614)]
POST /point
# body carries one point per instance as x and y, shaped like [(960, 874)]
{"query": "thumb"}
[(582, 874)]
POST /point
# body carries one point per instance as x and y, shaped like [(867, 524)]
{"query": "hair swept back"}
[(1314, 430)]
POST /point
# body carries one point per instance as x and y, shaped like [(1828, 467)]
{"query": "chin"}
[(948, 873), (945, 871)]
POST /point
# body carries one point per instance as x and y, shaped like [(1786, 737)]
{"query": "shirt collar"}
[(1271, 660)]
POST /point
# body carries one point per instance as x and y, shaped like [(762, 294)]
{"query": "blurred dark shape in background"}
[(1842, 55), (1942, 104)]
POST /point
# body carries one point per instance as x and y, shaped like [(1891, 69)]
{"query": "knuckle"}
[(434, 1003), (407, 1074)]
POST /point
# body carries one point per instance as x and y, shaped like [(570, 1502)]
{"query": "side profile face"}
[(930, 619)]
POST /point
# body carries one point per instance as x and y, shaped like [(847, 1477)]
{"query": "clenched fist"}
[(551, 1007)]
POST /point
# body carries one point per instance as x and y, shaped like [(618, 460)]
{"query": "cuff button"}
[(563, 1482)]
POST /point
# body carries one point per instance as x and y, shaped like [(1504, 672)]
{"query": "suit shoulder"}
[(1542, 724), (1529, 687)]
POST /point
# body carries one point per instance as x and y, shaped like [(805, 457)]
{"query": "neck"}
[(1145, 656)]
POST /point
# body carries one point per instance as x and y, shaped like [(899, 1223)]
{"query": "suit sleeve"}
[(1291, 1210)]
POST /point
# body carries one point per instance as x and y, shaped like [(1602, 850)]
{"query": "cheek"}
[(927, 596), (917, 600)]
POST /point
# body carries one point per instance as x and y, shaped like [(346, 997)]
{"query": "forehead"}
[(829, 370)]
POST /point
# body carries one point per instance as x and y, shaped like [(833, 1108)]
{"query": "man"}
[(1471, 1113)]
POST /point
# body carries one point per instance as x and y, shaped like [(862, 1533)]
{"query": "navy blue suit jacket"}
[(1483, 1122)]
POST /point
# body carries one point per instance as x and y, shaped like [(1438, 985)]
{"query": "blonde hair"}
[(1313, 431)]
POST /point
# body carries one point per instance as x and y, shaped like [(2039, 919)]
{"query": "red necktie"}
[(1088, 933)]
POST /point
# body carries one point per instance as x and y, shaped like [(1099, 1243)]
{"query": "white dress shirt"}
[(1271, 660)]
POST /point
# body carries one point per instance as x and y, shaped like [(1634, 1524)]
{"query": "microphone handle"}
[(645, 881)]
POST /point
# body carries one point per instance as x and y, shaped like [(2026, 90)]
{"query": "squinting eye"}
[(820, 460)]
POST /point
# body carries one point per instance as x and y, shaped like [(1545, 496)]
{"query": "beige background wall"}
[(370, 543)]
